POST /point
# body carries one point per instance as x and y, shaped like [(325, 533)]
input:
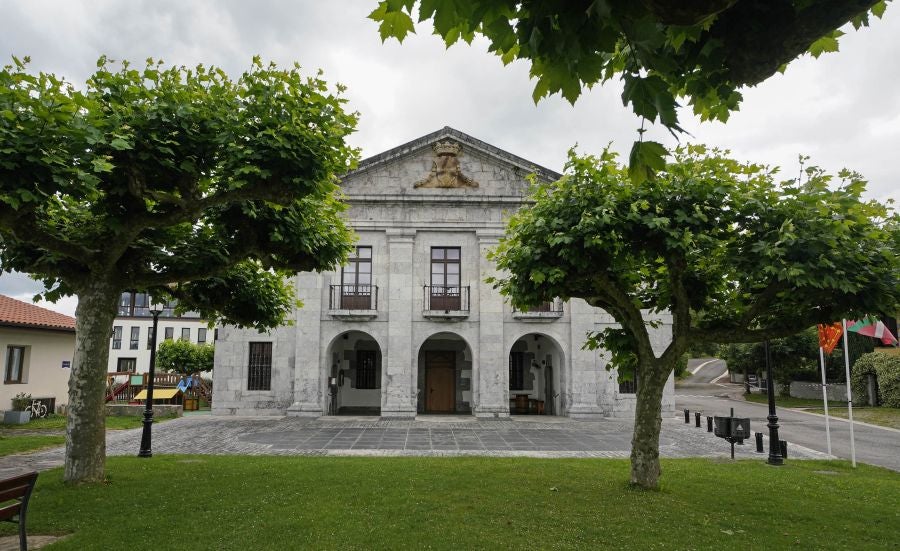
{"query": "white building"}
[(409, 325), (37, 346), (129, 343)]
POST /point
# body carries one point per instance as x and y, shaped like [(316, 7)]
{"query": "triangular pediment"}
[(444, 162)]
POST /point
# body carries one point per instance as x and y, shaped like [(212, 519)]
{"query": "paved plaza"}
[(424, 436)]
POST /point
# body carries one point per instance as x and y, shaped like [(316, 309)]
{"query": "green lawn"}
[(58, 422), (786, 402), (26, 442), (210, 502), (886, 417)]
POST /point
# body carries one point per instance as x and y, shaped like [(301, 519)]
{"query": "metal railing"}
[(554, 306), (353, 297), (449, 298)]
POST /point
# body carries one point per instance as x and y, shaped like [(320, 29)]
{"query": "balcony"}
[(447, 302), (353, 302), (546, 311)]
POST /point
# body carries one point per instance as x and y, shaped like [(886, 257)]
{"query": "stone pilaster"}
[(491, 380), (583, 392), (398, 394), (309, 386)]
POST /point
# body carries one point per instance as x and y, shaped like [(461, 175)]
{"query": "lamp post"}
[(156, 309), (774, 443)]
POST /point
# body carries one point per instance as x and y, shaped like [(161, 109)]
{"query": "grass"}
[(58, 422), (466, 503), (885, 417), (790, 402), (28, 443)]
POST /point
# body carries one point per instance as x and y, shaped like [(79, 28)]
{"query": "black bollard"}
[(687, 416), (697, 418), (783, 446), (759, 443), (709, 422)]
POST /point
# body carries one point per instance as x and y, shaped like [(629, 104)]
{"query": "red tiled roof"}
[(21, 314)]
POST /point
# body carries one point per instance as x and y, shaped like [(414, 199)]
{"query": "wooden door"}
[(440, 382)]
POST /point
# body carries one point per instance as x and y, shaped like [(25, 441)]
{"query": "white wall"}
[(142, 354), (44, 355)]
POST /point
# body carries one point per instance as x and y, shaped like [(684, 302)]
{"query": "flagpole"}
[(825, 398), (849, 394)]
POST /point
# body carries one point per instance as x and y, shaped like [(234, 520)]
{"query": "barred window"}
[(135, 342), (259, 372), (516, 370), (117, 337), (629, 387), (366, 373)]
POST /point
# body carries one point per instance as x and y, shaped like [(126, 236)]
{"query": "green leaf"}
[(825, 44), (645, 160), (393, 23)]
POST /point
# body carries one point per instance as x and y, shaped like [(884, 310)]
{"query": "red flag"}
[(829, 335)]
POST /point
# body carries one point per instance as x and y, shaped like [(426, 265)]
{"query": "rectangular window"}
[(356, 280), (516, 370), (215, 334), (169, 333), (126, 365), (150, 337), (185, 333), (134, 344), (366, 372), (117, 337), (445, 278), (201, 335), (15, 365), (125, 304), (259, 372), (141, 305)]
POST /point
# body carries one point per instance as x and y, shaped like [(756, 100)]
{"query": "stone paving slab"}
[(287, 436)]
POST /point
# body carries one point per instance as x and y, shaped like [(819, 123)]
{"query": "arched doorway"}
[(444, 379), (535, 376), (354, 385)]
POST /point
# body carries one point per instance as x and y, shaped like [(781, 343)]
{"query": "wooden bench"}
[(14, 495)]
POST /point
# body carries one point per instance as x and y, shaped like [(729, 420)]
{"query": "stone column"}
[(398, 395), (583, 388), (491, 382), (308, 382)]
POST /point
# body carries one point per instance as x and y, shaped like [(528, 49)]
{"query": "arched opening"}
[(354, 384), (535, 376), (444, 380)]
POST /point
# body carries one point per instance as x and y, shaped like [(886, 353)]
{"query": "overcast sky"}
[(843, 109)]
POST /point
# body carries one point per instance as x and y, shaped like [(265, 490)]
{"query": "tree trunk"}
[(86, 422), (647, 423)]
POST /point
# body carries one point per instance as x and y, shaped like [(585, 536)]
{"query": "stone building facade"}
[(409, 326)]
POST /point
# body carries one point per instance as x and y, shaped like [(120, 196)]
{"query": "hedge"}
[(886, 368)]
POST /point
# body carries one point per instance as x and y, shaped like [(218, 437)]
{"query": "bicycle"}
[(37, 409)]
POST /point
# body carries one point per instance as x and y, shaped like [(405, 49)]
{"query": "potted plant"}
[(18, 415)]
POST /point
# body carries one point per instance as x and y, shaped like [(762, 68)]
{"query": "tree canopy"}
[(177, 181), (704, 51), (184, 357), (724, 248)]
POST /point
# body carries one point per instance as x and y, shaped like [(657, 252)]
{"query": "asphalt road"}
[(874, 445), (705, 370)]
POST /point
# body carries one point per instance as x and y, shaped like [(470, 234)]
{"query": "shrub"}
[(184, 357), (21, 401), (886, 368)]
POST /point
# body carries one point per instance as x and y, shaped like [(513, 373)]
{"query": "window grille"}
[(366, 373), (516, 370), (259, 372)]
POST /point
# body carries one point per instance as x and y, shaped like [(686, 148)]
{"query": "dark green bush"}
[(886, 368)]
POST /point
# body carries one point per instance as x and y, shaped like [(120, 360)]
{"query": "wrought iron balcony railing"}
[(445, 298), (353, 297), (550, 309)]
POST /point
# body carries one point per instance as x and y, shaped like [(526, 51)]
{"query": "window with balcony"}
[(356, 281), (445, 292)]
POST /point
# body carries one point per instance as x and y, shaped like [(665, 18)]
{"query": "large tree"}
[(703, 50), (729, 252), (177, 181)]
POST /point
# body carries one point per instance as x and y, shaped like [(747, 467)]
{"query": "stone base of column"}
[(301, 409)]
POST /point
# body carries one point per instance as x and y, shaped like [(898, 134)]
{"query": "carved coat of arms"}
[(445, 171)]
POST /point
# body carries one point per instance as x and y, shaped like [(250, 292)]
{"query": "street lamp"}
[(156, 308), (774, 442)]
